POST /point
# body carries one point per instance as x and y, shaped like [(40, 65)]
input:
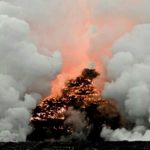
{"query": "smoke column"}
[(130, 84), (45, 40), (128, 71), (22, 72)]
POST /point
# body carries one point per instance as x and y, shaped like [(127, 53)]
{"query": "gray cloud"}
[(129, 71), (22, 72)]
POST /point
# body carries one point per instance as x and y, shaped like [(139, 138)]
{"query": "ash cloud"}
[(77, 120)]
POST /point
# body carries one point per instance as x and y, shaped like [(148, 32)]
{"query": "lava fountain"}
[(52, 116), (82, 39)]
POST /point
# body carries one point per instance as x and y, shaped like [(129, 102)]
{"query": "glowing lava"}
[(50, 116)]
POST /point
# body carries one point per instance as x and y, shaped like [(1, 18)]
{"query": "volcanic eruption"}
[(50, 116)]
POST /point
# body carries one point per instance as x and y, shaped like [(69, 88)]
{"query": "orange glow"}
[(85, 50), (82, 38)]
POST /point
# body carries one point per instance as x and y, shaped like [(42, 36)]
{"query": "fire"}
[(80, 94)]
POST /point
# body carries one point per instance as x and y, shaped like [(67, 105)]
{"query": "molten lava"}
[(48, 118)]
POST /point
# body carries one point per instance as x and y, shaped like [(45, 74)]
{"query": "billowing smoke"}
[(129, 70), (39, 39), (22, 72), (77, 120)]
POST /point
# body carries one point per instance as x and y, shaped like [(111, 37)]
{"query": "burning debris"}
[(49, 117)]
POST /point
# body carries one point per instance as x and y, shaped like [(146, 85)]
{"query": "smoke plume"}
[(130, 84), (22, 71)]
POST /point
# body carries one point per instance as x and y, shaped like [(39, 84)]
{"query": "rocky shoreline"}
[(75, 146)]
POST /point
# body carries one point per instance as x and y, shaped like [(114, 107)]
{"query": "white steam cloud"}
[(22, 72), (129, 70)]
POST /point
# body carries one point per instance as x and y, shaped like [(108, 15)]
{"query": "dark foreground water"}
[(76, 146)]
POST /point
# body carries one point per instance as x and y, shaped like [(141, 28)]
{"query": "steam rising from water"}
[(35, 36), (22, 72), (129, 71)]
